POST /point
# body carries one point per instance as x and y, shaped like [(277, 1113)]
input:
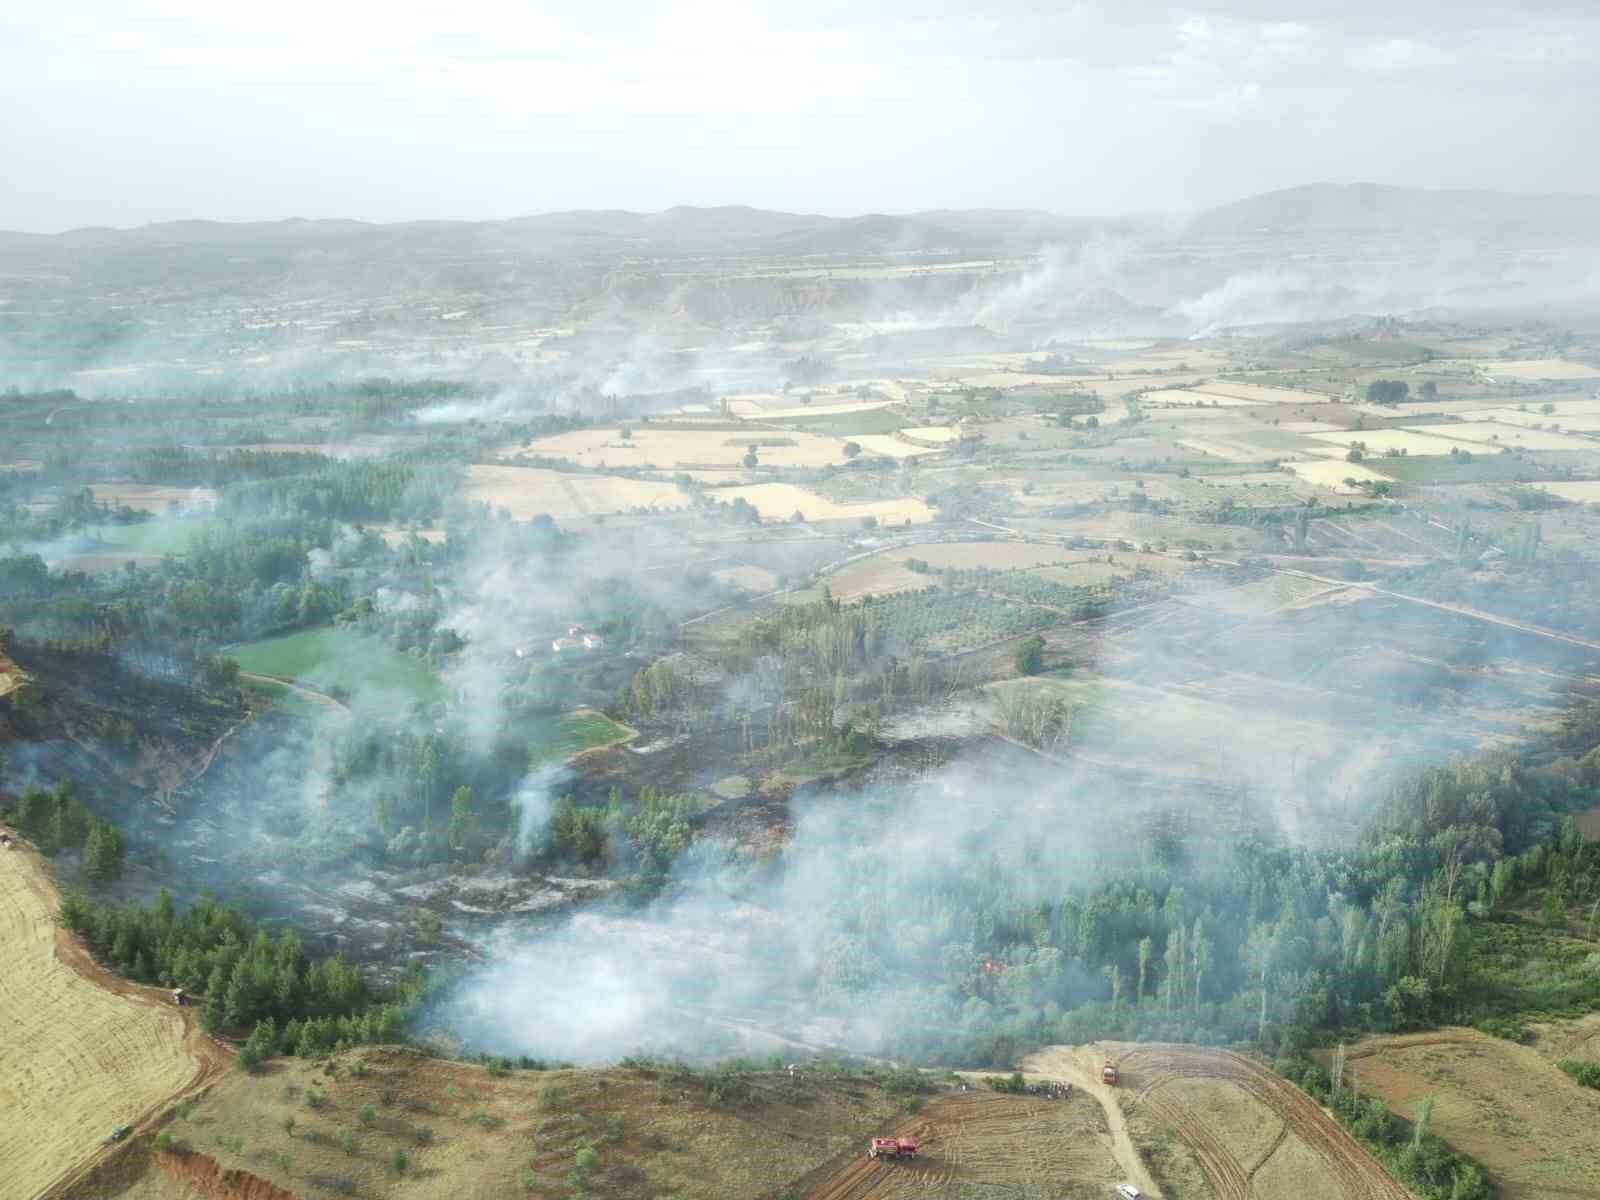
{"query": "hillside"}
[(1372, 208)]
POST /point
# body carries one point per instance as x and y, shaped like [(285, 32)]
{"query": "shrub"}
[(400, 1162), (367, 1115), (1585, 1073)]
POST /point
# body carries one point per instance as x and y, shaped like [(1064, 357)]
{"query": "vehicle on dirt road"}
[(120, 1132), (1108, 1073), (892, 1147), (1128, 1192)]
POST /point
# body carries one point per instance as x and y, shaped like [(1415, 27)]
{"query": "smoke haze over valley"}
[(770, 603)]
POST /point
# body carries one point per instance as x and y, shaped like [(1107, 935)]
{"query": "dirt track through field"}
[(980, 1140), (1359, 1175), (80, 1050)]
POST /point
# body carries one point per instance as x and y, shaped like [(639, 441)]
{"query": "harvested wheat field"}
[(779, 501), (983, 1143), (674, 449), (1583, 491), (1262, 393), (1332, 473), (1252, 1133), (81, 1052), (1190, 398), (526, 492), (1539, 368), (1505, 1105), (1490, 435)]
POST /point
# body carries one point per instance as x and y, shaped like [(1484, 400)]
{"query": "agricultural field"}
[(151, 499), (82, 1052), (1379, 441), (1193, 398), (170, 535), (332, 1127), (1260, 393), (1581, 492), (527, 492), (1250, 1132), (1538, 368), (1332, 474), (779, 501), (559, 738), (981, 1143), (1503, 1104), (675, 449), (1494, 435), (339, 662)]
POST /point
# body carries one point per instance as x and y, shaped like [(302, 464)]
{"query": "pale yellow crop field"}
[(1570, 419), (672, 449), (1489, 433), (528, 491), (890, 446), (1307, 427), (1013, 379), (1331, 473), (1232, 451), (151, 499), (1585, 491), (1379, 440), (792, 412), (1190, 398), (1262, 393), (778, 501), (76, 1059), (932, 433), (1539, 368)]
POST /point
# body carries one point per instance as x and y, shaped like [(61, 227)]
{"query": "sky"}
[(122, 112)]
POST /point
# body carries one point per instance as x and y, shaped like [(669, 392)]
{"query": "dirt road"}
[(1080, 1066), (299, 690)]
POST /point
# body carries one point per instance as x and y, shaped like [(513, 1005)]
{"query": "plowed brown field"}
[(80, 1052), (985, 1143)]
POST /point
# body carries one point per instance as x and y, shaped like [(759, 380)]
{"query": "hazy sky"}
[(119, 112)]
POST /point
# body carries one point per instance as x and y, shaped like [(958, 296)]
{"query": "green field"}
[(850, 424), (339, 662), (172, 535), (557, 738), (1450, 468)]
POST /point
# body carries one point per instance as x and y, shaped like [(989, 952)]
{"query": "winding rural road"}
[(298, 689), (1077, 1065)]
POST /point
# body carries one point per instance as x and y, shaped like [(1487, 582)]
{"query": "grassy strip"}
[(1414, 1157)]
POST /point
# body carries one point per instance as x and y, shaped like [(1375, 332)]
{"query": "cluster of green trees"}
[(57, 820), (1388, 391), (1410, 1152), (643, 837), (1253, 941), (242, 975)]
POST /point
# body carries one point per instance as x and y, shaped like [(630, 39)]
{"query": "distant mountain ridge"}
[(1317, 209), (1374, 208)]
